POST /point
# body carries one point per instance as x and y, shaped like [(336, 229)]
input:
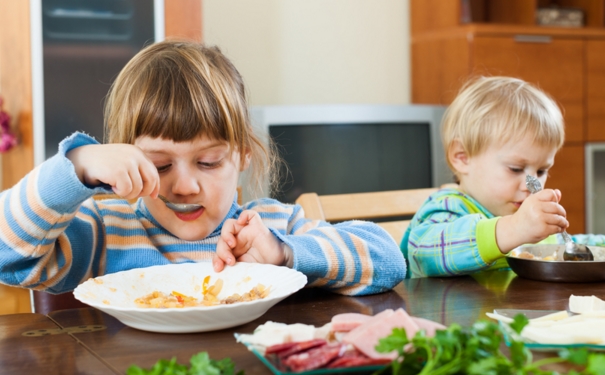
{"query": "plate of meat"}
[(344, 345)]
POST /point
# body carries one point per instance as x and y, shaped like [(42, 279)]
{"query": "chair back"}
[(43, 302), (382, 205)]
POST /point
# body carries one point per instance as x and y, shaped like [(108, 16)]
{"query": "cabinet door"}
[(567, 175), (539, 59), (595, 90)]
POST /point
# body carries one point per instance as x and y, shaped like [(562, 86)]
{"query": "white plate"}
[(115, 293)]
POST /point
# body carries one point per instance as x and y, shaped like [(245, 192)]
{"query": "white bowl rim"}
[(299, 278)]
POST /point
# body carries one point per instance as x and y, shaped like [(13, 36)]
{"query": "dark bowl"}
[(558, 270)]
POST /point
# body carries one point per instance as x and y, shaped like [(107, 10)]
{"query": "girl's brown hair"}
[(181, 90)]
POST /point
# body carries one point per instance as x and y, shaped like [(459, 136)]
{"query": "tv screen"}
[(339, 158)]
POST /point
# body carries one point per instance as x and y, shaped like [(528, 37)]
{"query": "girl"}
[(177, 124)]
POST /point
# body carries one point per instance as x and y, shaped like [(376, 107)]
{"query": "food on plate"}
[(584, 304), (527, 255), (348, 340), (561, 328), (157, 299)]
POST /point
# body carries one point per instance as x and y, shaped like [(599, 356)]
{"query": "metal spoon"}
[(573, 251), (180, 207)]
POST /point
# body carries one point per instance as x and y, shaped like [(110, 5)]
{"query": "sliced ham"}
[(348, 321), (366, 336), (428, 326), (313, 358)]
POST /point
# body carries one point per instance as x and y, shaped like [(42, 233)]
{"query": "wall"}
[(315, 51)]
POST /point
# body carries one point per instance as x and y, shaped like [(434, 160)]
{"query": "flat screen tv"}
[(335, 149)]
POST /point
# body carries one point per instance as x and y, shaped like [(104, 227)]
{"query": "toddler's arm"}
[(453, 235), (539, 216)]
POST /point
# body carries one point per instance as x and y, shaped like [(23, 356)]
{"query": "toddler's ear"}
[(458, 157)]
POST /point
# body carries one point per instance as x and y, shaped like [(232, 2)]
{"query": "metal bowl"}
[(557, 270)]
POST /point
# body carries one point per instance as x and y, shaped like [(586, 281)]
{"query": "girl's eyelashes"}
[(210, 165), (516, 169), (163, 168)]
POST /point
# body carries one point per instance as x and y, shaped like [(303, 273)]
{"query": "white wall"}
[(315, 51)]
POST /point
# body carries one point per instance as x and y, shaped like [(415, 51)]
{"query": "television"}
[(336, 149)]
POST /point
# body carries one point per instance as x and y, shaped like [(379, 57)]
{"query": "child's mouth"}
[(189, 216)]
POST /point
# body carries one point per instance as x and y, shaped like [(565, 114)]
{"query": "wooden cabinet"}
[(453, 40)]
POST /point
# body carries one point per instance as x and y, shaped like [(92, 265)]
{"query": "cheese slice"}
[(584, 304)]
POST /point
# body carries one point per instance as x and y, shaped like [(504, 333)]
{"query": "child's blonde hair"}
[(181, 90), (496, 110)]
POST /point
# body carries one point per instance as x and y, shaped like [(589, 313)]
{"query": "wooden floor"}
[(14, 300)]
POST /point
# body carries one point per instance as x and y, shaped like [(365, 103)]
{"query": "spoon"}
[(573, 251), (180, 207)]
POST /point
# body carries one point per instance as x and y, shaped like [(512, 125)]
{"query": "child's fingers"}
[(223, 256), (553, 209), (250, 257), (246, 216), (557, 194), (123, 184), (136, 183), (229, 231), (548, 195), (217, 264), (151, 181)]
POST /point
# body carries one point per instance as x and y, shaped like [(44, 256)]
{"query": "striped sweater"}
[(54, 235)]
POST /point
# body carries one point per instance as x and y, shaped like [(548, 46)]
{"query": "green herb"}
[(475, 350), (201, 364)]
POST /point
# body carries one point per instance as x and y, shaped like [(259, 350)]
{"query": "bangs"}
[(175, 105)]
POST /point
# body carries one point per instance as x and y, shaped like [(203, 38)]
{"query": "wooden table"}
[(116, 347)]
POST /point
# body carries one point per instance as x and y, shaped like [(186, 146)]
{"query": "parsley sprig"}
[(476, 350), (201, 364)]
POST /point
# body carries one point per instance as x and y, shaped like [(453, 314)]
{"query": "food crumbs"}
[(98, 281), (106, 302)]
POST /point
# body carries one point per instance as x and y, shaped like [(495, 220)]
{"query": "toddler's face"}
[(200, 171), (496, 177)]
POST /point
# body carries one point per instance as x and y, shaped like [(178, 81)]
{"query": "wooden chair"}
[(43, 303), (367, 206)]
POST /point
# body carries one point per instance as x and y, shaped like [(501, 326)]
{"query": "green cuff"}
[(486, 240)]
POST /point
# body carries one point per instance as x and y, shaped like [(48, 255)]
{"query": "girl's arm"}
[(353, 258), (47, 240)]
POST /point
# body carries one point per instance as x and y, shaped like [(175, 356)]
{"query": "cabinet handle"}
[(533, 38)]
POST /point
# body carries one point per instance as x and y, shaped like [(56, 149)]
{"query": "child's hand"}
[(122, 166), (247, 239), (539, 216)]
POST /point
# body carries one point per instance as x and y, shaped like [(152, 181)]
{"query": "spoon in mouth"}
[(180, 207), (573, 251)]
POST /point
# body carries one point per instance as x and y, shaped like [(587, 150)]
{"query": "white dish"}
[(115, 294)]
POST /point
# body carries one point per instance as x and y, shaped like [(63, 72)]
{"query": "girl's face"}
[(200, 171), (496, 177)]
